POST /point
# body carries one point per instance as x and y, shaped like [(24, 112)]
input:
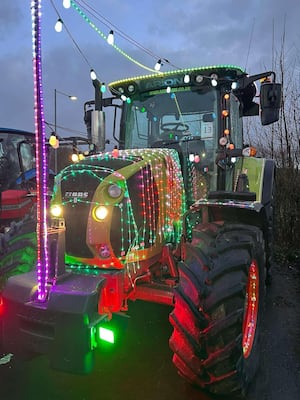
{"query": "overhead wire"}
[(110, 25), (70, 35), (88, 20)]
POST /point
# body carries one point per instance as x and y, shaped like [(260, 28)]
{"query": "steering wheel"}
[(174, 127)]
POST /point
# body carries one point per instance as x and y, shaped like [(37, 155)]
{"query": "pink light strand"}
[(41, 163)]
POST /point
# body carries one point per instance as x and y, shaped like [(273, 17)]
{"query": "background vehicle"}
[(179, 213), (17, 174)]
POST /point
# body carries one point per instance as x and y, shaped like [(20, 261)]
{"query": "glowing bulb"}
[(93, 75), (158, 65), (100, 213), (67, 3), (59, 25), (53, 140), (56, 210), (110, 38), (106, 334), (103, 88), (75, 157)]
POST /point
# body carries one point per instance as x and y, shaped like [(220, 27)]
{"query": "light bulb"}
[(59, 25), (67, 3), (53, 140), (103, 88), (93, 75), (186, 78), (110, 38), (157, 65)]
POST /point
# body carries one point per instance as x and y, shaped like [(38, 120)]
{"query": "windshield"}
[(16, 155), (171, 117)]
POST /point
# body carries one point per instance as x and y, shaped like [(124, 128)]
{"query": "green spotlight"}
[(106, 334)]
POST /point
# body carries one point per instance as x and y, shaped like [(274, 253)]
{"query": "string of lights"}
[(41, 170), (58, 27), (79, 7), (103, 36), (114, 29)]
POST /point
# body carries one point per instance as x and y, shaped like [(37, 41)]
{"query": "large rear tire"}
[(218, 307)]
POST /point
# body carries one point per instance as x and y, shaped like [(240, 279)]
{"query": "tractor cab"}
[(17, 158), (17, 175), (199, 113)]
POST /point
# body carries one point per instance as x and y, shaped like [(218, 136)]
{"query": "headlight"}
[(100, 213), (114, 191), (56, 210)]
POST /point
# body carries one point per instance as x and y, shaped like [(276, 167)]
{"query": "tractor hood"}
[(120, 207)]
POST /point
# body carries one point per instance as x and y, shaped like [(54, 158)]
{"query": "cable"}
[(51, 126), (87, 19), (71, 37), (110, 25)]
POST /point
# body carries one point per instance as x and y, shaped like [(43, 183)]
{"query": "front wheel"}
[(218, 307)]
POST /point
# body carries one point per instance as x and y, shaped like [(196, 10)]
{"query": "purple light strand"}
[(41, 163)]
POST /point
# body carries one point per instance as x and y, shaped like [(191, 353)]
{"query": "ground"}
[(140, 367)]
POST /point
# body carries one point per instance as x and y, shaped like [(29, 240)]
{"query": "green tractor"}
[(180, 213)]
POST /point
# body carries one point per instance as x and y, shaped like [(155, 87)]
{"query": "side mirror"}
[(270, 102)]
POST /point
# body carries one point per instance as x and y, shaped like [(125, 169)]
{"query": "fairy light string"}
[(157, 207), (41, 165), (104, 37)]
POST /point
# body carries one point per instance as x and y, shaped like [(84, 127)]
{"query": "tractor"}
[(180, 212), (17, 175)]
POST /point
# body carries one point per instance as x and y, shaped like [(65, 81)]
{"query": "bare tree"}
[(281, 142)]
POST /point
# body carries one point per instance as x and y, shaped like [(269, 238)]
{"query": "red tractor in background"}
[(17, 175), (179, 213)]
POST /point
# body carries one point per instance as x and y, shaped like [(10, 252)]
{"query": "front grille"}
[(77, 193)]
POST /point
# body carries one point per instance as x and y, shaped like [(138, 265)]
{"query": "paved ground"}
[(141, 368)]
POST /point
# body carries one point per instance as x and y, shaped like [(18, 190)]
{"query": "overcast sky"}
[(187, 33)]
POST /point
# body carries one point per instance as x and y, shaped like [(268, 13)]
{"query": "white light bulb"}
[(157, 65), (93, 75), (59, 25), (67, 3), (110, 38)]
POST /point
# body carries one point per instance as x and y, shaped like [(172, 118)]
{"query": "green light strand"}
[(86, 18)]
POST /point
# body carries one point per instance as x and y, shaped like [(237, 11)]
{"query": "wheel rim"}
[(251, 309)]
